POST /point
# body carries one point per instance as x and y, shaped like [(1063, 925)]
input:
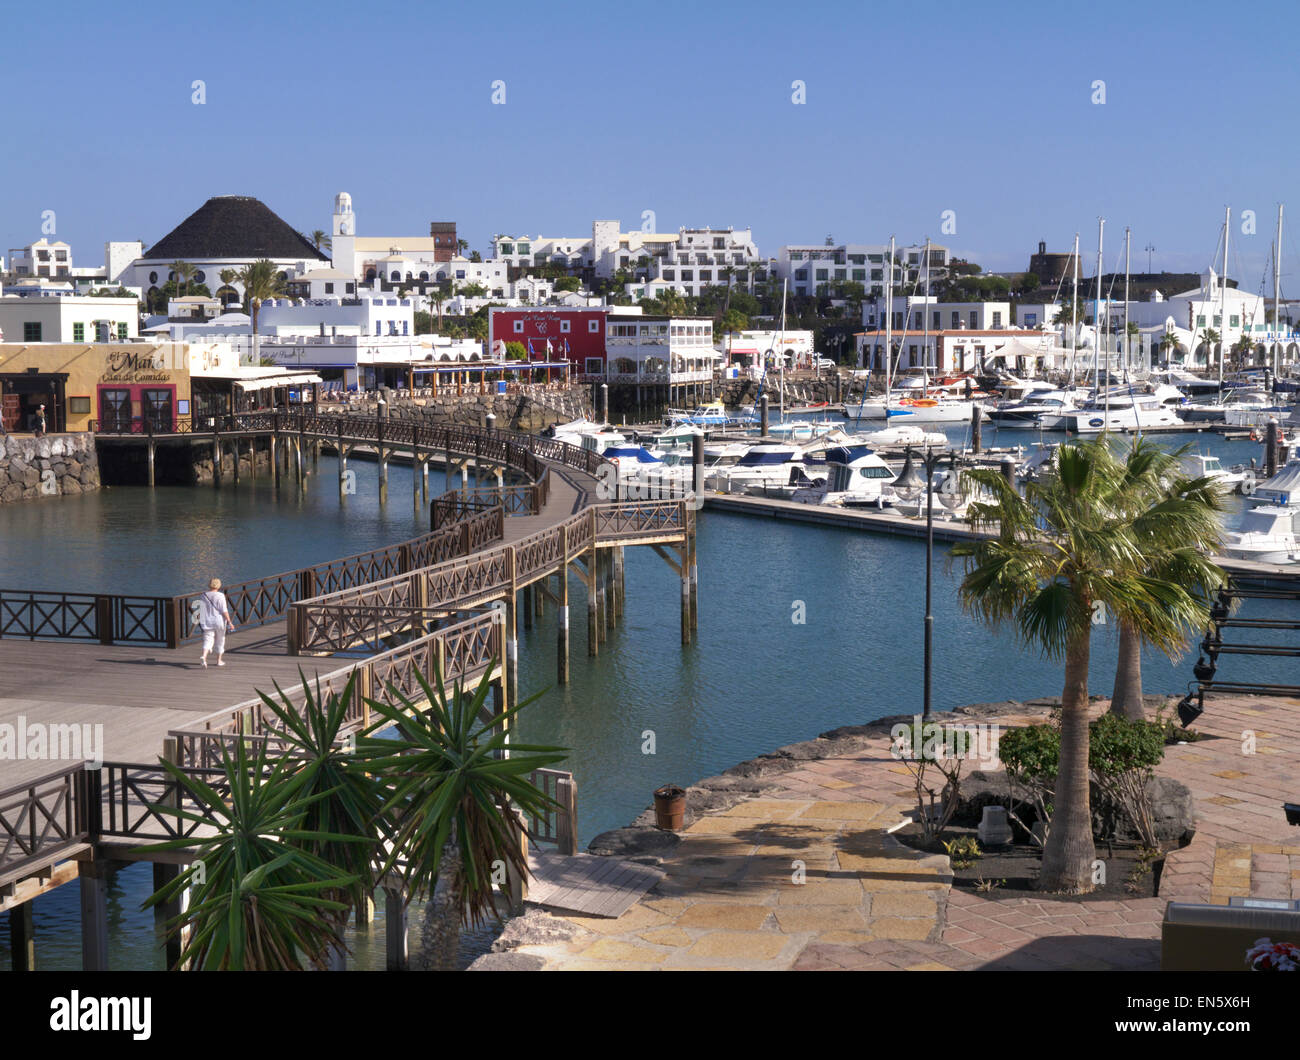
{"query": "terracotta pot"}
[(670, 808)]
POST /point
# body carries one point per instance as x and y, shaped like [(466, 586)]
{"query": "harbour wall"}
[(56, 465)]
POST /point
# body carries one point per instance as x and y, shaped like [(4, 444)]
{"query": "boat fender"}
[(1254, 435)]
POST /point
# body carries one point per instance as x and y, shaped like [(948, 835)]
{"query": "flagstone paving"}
[(806, 876)]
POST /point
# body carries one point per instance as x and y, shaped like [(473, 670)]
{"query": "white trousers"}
[(214, 637)]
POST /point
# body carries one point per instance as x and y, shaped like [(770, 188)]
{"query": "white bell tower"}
[(345, 222)]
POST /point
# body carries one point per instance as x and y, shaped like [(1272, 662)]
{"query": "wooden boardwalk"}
[(585, 883), (137, 694)]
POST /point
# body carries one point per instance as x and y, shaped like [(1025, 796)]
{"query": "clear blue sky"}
[(681, 108)]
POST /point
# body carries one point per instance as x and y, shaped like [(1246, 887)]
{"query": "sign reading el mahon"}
[(132, 366)]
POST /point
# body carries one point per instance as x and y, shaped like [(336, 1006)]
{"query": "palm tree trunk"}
[(1069, 852), (1126, 700), (442, 915)]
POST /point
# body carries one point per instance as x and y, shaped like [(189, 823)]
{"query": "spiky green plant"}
[(453, 797), (259, 898)]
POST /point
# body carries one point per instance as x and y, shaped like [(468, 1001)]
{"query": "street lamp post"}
[(909, 483)]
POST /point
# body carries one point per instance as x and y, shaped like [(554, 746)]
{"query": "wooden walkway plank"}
[(587, 884)]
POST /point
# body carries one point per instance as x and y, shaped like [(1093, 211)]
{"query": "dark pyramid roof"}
[(233, 226)]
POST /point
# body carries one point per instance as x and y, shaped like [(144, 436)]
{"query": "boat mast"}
[(1128, 239), (925, 314), (1277, 295), (1074, 313), (780, 342), (1223, 299), (1096, 321), (889, 327)]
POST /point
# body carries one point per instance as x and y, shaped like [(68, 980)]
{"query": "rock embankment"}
[(529, 412), (57, 465)]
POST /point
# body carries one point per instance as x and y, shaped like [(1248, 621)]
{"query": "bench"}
[(1212, 938)]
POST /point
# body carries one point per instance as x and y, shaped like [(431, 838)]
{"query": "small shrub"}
[(1122, 756), (963, 851), (1032, 758), (988, 885), (1173, 729), (941, 750)]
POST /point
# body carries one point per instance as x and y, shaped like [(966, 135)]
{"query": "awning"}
[(275, 381)]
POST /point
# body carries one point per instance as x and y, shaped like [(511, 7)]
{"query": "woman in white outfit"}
[(214, 620)]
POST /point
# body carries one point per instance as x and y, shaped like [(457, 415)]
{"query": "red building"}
[(553, 334)]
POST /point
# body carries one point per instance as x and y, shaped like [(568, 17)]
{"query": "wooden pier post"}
[(539, 599), (343, 470), (163, 874), (151, 461), (526, 606), (450, 469), (976, 423), (396, 954), (562, 623), (620, 585), (275, 462), (593, 613), (93, 879), (607, 590), (684, 557), (216, 460), (415, 477), (22, 939), (365, 913)]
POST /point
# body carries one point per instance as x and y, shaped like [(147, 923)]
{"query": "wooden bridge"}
[(450, 599)]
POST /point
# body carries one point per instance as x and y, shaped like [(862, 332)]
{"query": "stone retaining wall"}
[(53, 466), (517, 412)]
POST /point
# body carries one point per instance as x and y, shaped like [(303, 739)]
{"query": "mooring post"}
[(216, 456), (539, 599), (22, 939), (396, 956), (415, 477), (763, 415), (695, 566), (976, 425), (684, 558), (275, 462), (1009, 471), (1270, 449), (620, 585), (526, 606), (607, 590), (449, 469), (151, 462)]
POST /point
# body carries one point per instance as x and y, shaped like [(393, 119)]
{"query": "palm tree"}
[(261, 280), (1064, 552), (257, 901), (228, 276), (184, 272), (1176, 519), (1172, 345), (1211, 337), (451, 796), (462, 245), (441, 294), (320, 238)]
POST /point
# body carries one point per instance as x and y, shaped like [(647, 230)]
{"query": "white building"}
[(751, 351), (809, 268), (225, 234), (920, 312), (69, 318), (689, 259)]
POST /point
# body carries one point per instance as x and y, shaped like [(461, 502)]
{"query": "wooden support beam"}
[(684, 569), (396, 955), (664, 555), (526, 607), (93, 879), (562, 605), (593, 616), (22, 939), (695, 567)]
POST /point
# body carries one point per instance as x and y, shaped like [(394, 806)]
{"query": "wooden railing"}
[(39, 821), (107, 619), (558, 825)]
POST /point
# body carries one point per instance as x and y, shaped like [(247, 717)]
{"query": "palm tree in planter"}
[(453, 798), (1066, 554), (228, 277), (260, 899), (261, 280), (1176, 519)]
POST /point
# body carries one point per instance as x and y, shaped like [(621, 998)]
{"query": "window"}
[(706, 275), (974, 318), (524, 249), (688, 274), (593, 326), (1234, 321), (857, 259), (956, 319), (329, 288), (937, 317), (997, 319), (877, 274), (31, 331), (821, 275), (670, 274), (78, 332), (594, 366), (1217, 320), (1031, 320), (519, 327), (507, 248), (351, 288), (860, 275), (1200, 320), (564, 326), (801, 274)]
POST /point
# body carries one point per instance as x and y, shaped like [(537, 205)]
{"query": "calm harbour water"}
[(753, 680)]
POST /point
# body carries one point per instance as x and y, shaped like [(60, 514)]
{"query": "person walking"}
[(40, 421), (214, 620)]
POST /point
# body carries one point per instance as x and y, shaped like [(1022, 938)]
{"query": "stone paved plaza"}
[(805, 876)]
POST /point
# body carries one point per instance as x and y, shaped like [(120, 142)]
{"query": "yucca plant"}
[(453, 797), (341, 797), (259, 898)]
